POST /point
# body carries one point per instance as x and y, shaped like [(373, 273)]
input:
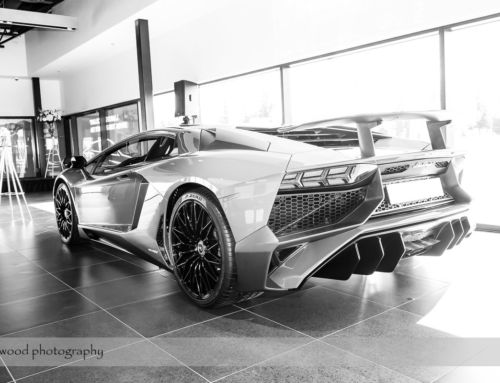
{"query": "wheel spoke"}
[(181, 236), (183, 221), (187, 260), (199, 220), (204, 280), (211, 271), (205, 231)]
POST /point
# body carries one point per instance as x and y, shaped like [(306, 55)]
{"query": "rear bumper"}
[(376, 245)]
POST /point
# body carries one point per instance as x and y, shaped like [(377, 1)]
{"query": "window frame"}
[(94, 164)]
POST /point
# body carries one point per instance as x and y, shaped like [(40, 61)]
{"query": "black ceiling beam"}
[(22, 6)]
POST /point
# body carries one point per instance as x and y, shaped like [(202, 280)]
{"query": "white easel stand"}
[(51, 159), (14, 188)]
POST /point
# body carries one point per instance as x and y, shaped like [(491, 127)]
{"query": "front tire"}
[(66, 219), (201, 246)]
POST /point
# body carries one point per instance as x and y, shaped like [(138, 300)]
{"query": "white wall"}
[(50, 93), (13, 58), (105, 83), (16, 97)]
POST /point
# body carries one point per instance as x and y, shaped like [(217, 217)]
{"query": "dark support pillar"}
[(75, 149), (67, 137), (38, 138), (104, 133), (145, 75)]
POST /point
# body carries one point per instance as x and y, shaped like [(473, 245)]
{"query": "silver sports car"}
[(233, 212)]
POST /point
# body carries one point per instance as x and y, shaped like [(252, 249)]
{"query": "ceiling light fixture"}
[(14, 17)]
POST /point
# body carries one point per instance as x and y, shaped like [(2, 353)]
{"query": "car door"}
[(113, 194)]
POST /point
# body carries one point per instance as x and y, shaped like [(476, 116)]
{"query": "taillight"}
[(335, 176)]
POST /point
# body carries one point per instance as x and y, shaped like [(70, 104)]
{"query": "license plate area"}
[(416, 190)]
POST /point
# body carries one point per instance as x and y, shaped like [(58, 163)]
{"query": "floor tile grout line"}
[(195, 324), (445, 374), (31, 298), (142, 300), (395, 308), (263, 303), (445, 284), (354, 295), (158, 268), (79, 267), (374, 316), (278, 323), (131, 328), (265, 360), (366, 359), (383, 304), (84, 287), (423, 278), (320, 339), (8, 370), (92, 285), (48, 324), (115, 279)]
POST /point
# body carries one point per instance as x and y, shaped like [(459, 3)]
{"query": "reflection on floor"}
[(434, 319)]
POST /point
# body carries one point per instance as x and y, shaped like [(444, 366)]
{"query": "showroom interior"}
[(77, 77)]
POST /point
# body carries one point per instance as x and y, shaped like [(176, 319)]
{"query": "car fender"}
[(244, 181)]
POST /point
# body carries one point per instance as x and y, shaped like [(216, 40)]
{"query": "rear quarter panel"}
[(244, 181)]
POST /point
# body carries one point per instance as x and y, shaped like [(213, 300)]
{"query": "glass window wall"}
[(89, 134), (473, 97), (164, 107), (121, 122), (16, 137), (247, 100), (399, 76)]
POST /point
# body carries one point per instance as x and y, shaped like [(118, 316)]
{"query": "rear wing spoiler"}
[(364, 124)]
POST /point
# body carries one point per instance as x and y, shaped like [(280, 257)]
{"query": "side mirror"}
[(78, 162)]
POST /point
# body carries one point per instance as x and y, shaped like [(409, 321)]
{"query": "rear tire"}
[(66, 219), (201, 245)]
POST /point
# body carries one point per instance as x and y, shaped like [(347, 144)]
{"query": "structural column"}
[(286, 110), (145, 74), (442, 68), (38, 145)]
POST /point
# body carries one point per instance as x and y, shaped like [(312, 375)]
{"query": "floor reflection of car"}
[(235, 212)]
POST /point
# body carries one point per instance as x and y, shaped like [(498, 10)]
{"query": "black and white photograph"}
[(249, 191)]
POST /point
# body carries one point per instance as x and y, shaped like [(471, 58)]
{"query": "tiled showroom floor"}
[(434, 319)]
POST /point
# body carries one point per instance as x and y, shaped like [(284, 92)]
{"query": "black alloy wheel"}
[(201, 248), (196, 249), (65, 215)]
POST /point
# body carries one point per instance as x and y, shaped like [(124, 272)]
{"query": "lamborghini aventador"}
[(233, 212)]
